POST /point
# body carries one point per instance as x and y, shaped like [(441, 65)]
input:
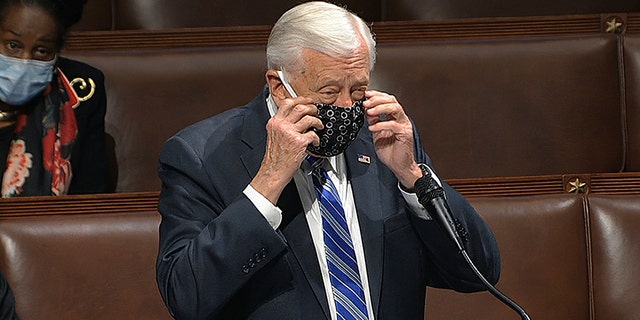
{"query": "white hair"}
[(319, 26)]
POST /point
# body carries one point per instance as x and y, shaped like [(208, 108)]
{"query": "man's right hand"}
[(288, 135)]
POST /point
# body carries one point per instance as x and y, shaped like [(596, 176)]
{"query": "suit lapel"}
[(294, 225), (254, 133), (298, 236)]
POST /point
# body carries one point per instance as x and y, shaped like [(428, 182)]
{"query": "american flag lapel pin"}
[(363, 158)]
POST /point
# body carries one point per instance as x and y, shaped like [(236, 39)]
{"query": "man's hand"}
[(392, 136), (288, 134)]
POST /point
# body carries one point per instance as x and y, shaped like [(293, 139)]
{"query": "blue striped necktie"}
[(341, 258)]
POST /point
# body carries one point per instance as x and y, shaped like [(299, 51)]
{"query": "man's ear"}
[(276, 88)]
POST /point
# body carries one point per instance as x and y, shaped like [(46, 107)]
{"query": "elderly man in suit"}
[(270, 211)]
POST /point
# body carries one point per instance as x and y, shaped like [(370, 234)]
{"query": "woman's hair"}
[(318, 26), (66, 13)]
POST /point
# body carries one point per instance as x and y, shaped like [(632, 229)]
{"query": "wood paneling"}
[(386, 32), (600, 183)]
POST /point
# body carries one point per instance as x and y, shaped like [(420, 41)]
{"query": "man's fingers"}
[(307, 122), (295, 109)]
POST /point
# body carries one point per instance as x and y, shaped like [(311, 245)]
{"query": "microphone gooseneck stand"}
[(431, 196)]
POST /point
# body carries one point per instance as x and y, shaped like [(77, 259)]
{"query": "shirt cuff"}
[(270, 212), (412, 199)]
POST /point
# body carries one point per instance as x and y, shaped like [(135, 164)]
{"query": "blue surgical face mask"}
[(23, 79)]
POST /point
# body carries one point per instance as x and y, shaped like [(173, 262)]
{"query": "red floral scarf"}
[(38, 161)]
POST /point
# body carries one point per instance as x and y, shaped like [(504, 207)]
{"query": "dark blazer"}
[(89, 154), (220, 259)]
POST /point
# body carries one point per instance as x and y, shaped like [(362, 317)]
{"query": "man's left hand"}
[(392, 135)]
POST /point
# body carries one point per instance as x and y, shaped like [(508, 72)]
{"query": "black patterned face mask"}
[(341, 127)]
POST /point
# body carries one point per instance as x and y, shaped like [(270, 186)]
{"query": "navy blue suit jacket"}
[(220, 259)]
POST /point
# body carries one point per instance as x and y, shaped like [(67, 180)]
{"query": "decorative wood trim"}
[(170, 38), (484, 28), (386, 32), (79, 204), (633, 23), (624, 183), (508, 186), (597, 183)]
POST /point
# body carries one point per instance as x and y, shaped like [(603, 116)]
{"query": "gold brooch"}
[(82, 85)]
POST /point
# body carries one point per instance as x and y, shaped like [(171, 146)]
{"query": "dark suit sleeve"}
[(210, 245), (447, 267)]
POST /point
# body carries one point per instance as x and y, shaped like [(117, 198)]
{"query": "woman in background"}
[(52, 139)]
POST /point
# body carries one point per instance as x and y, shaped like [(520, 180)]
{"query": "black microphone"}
[(431, 196)]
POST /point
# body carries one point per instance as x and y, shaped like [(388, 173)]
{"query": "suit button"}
[(252, 263), (245, 269)]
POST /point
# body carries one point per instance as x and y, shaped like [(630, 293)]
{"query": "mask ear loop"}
[(286, 84)]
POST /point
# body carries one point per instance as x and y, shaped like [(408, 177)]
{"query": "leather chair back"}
[(631, 58), (490, 108), (142, 14), (615, 247), (83, 266), (152, 94), (97, 15), (485, 108), (543, 245)]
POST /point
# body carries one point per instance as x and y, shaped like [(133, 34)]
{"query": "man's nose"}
[(345, 100)]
